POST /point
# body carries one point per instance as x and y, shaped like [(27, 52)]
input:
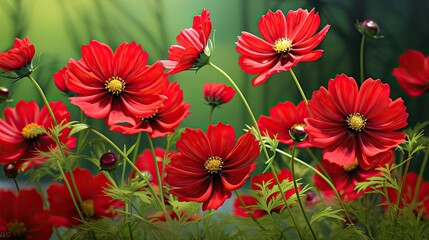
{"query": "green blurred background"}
[(58, 28)]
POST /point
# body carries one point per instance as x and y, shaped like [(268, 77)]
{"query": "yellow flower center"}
[(115, 85), (16, 228), (151, 117), (282, 45), (88, 206), (350, 167), (31, 131), (356, 122), (213, 164)]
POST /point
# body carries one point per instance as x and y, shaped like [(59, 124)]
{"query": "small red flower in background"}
[(60, 79), (18, 58), (165, 119), (191, 43), (286, 42), (91, 189), (345, 178), (145, 163), (208, 166), (217, 94), (117, 86), (352, 124), (283, 117), (413, 73), (22, 215), (20, 140), (408, 192), (250, 201)]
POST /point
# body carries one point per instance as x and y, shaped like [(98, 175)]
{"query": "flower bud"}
[(297, 133), (109, 161), (10, 170), (369, 28), (4, 94)]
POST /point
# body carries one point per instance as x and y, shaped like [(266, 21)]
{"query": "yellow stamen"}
[(350, 167), (88, 205), (356, 121), (29, 131), (17, 229), (213, 164), (282, 45), (115, 85)]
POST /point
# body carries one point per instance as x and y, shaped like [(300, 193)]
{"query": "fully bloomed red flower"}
[(255, 184), (191, 43), (352, 124), (217, 94), (22, 215), (165, 120), (413, 73), (20, 140), (408, 192), (345, 178), (209, 166), (283, 117), (19, 57), (117, 86), (91, 189), (286, 41)]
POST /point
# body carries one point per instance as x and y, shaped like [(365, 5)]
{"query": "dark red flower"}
[(20, 140), (92, 191), (18, 58), (345, 178), (352, 124), (217, 93), (117, 86), (413, 73), (208, 166), (283, 117), (256, 182), (286, 41), (191, 45), (165, 119), (23, 216), (408, 192)]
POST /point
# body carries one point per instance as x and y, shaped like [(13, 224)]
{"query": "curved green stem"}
[(16, 184), (158, 174), (299, 86), (250, 214), (45, 100), (361, 58), (211, 113), (297, 192), (404, 177)]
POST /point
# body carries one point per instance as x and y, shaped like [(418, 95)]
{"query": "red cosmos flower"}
[(91, 189), (255, 183), (408, 192), (18, 58), (60, 79), (286, 41), (217, 93), (23, 216), (283, 117), (413, 73), (345, 178), (352, 124), (165, 120), (20, 140), (117, 86), (208, 166), (192, 42)]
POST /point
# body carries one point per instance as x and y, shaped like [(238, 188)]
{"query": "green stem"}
[(250, 214), (259, 136), (158, 174), (45, 100), (16, 184), (137, 146), (324, 178), (297, 192), (211, 114), (361, 58), (299, 86), (420, 179), (128, 220)]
